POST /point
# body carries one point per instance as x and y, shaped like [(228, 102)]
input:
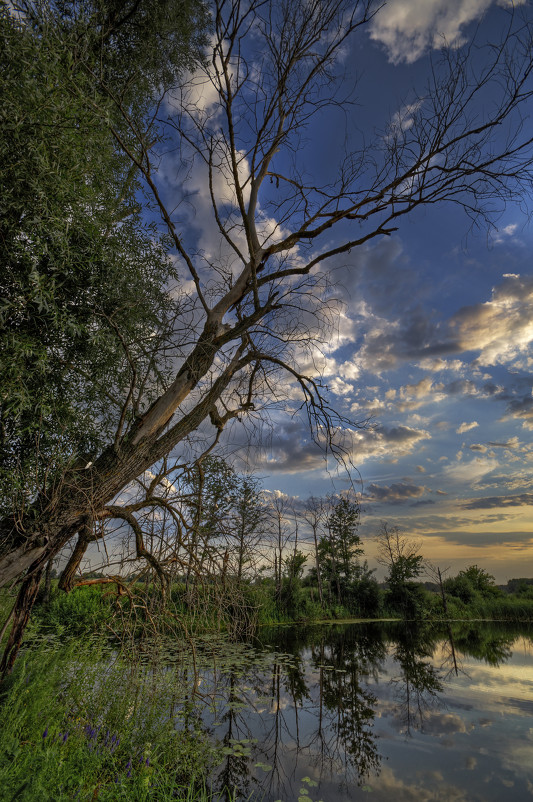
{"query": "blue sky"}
[(438, 354), (432, 346)]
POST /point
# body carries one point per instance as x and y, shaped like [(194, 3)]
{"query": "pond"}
[(376, 711)]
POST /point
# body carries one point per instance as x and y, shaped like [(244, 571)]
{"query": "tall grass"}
[(496, 608), (79, 723)]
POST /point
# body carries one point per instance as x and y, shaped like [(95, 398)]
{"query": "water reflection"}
[(331, 703), (418, 682)]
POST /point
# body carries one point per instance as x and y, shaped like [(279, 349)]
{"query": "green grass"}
[(499, 608), (79, 723)]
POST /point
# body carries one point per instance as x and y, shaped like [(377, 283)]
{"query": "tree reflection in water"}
[(419, 682), (310, 708)]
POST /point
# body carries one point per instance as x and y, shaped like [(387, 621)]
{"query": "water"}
[(377, 712)]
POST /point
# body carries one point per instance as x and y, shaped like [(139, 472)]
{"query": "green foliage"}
[(522, 587), (78, 723), (403, 563), (294, 565), (410, 600), (84, 281), (84, 610), (214, 487), (472, 586), (339, 550), (366, 599), (495, 608), (404, 569)]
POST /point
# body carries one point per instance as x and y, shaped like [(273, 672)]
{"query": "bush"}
[(85, 609)]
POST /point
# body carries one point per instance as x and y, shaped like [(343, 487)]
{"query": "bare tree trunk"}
[(241, 540), (442, 593), (66, 581), (47, 582), (470, 158), (24, 605), (318, 571)]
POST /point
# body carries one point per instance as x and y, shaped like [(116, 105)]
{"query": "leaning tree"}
[(229, 141)]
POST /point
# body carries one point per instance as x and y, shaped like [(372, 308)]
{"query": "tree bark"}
[(24, 605), (47, 582), (66, 581)]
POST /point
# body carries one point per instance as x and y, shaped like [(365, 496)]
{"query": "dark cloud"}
[(400, 434), (445, 724), (480, 540), (397, 492), (489, 388), (414, 337), (401, 328), (491, 502), (511, 443), (290, 449), (521, 408), (461, 387)]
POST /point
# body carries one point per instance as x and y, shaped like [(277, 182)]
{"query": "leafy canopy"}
[(85, 279)]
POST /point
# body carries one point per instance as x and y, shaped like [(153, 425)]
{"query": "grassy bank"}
[(81, 723), (99, 609)]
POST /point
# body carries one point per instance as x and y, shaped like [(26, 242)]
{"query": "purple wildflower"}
[(45, 733)]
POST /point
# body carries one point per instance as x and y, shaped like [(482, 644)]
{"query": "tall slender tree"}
[(340, 549)]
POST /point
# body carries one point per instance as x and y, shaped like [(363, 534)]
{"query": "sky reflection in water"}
[(381, 712)]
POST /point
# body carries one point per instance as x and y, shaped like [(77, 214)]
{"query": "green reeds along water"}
[(79, 723)]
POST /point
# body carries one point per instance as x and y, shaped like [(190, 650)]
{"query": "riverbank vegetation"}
[(80, 723), (233, 557)]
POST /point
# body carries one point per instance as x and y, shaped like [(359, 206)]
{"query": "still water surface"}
[(378, 712)]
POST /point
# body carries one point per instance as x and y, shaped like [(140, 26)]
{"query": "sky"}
[(437, 351), (433, 347)]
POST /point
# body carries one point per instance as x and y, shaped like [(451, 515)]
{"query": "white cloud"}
[(505, 233), (409, 28), (340, 387), (501, 328), (413, 396), (436, 364), (465, 427), (472, 471)]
